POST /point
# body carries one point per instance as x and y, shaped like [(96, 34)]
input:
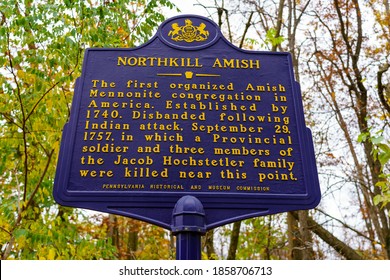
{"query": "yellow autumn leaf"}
[(21, 241), (20, 74), (52, 254)]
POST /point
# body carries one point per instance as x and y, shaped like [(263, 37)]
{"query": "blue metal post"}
[(188, 224)]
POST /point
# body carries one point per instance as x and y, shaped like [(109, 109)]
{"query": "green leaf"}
[(377, 140), (363, 137), (20, 232), (378, 199)]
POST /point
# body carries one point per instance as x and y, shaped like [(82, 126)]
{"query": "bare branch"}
[(382, 88)]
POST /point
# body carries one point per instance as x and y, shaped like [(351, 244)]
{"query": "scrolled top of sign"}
[(187, 114)]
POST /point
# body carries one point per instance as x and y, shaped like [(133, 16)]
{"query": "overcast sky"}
[(186, 7)]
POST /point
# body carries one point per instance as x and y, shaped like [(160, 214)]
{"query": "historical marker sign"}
[(187, 114)]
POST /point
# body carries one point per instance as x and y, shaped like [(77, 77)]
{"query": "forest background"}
[(340, 53)]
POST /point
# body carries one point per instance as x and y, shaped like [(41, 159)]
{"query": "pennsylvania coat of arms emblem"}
[(188, 32)]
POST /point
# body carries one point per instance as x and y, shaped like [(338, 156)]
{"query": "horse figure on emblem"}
[(188, 32)]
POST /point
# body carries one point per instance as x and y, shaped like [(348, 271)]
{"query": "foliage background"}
[(341, 54), (42, 44)]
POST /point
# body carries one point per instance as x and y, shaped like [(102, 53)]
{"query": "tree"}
[(266, 19), (344, 73), (343, 70), (41, 46)]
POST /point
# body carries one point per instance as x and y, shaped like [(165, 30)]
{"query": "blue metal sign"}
[(187, 114)]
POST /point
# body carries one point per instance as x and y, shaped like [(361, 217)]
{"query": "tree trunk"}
[(294, 238), (209, 244), (234, 241), (132, 243), (340, 247), (307, 240), (113, 229)]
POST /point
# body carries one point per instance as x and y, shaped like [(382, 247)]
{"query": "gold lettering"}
[(276, 176), (233, 63), (194, 174), (96, 173)]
